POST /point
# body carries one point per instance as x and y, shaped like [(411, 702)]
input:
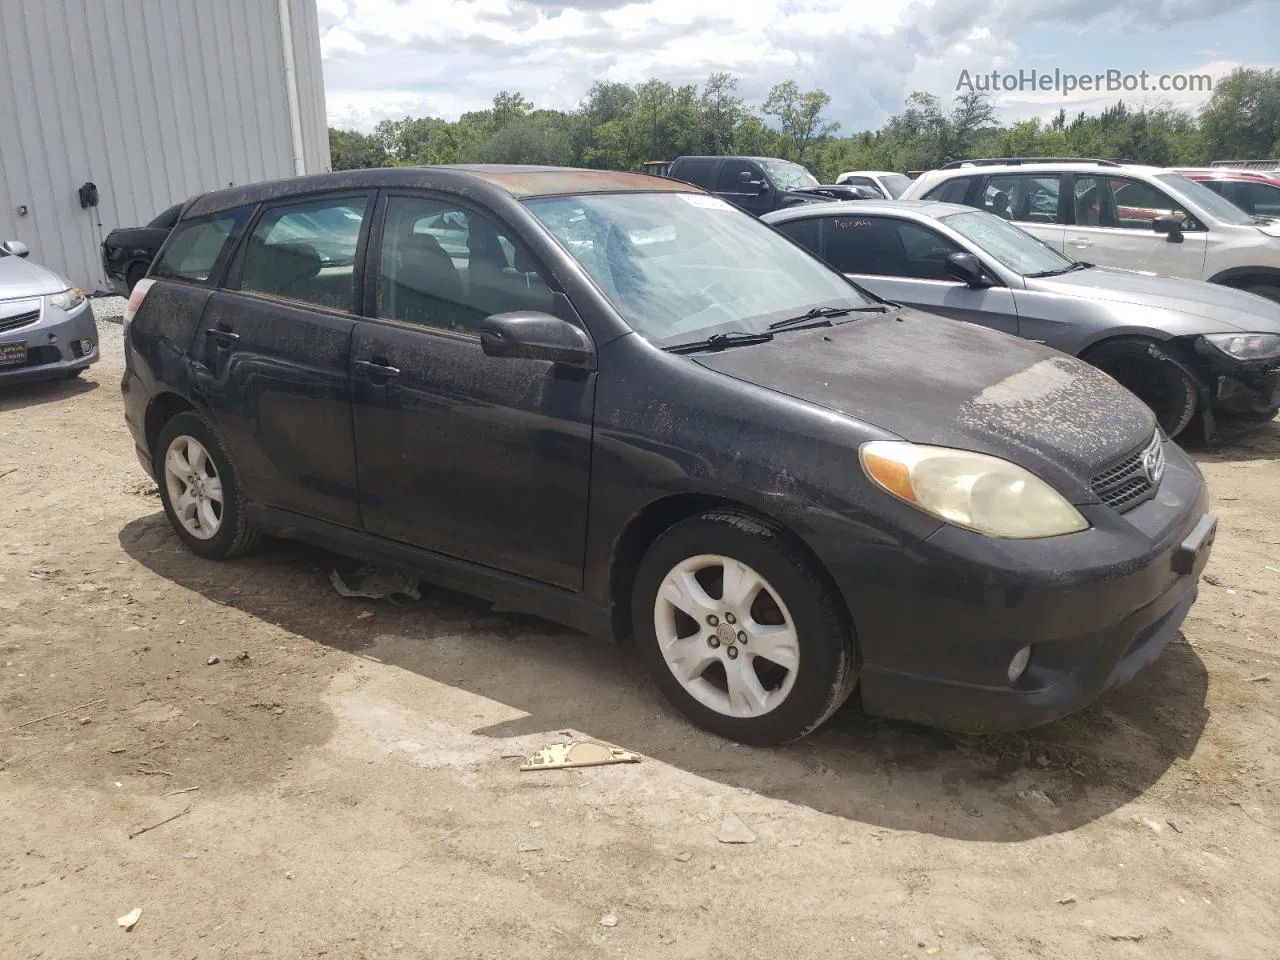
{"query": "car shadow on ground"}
[(1238, 441), (18, 396), (900, 776)]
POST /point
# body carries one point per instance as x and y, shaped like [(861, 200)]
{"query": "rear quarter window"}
[(197, 248), (953, 191)]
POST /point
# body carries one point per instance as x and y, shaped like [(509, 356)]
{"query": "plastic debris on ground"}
[(130, 918), (580, 753), (373, 583)]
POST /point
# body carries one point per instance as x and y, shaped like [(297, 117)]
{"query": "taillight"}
[(135, 301)]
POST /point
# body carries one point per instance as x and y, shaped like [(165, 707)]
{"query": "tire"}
[(1155, 377), (793, 695), (215, 530), (135, 273), (1268, 290)]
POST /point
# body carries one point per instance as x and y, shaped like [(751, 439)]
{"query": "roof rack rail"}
[(1018, 161)]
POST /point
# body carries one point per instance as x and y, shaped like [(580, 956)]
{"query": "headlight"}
[(1245, 346), (971, 490), (68, 299)]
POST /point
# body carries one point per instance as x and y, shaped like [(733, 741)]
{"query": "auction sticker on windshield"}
[(702, 200)]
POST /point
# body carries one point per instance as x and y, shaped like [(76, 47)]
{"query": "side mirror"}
[(14, 248), (967, 268), (531, 335), (744, 176), (1168, 224)]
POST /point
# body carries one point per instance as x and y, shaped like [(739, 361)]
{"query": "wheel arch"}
[(163, 408), (661, 515), (1242, 277)]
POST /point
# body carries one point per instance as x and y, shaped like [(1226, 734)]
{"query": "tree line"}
[(618, 126)]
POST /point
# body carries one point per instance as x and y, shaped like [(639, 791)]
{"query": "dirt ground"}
[(352, 780)]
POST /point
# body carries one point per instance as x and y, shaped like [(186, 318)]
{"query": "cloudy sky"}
[(392, 58)]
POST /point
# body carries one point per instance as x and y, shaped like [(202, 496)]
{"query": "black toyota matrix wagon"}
[(618, 402)]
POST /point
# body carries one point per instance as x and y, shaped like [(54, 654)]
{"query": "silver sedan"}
[(1191, 350), (47, 329)]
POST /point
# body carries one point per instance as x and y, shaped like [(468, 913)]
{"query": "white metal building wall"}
[(152, 100)]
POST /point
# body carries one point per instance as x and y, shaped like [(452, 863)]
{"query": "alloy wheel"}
[(194, 487)]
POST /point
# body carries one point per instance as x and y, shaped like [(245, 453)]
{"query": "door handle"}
[(1080, 242), (223, 337), (376, 371)]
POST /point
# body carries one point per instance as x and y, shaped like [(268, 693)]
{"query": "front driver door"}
[(1112, 228), (905, 262), (480, 458)]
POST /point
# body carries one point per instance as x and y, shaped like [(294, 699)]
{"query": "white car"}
[(888, 185), (1119, 215)]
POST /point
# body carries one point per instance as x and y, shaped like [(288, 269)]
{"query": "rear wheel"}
[(199, 490), (741, 631), (135, 273), (1150, 373)]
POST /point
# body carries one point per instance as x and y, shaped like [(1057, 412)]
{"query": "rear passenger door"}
[(480, 458), (273, 355), (1032, 201)]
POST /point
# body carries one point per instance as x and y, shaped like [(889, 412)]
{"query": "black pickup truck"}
[(759, 185)]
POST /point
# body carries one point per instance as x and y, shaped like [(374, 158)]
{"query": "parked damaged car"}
[(1193, 351), (759, 185), (47, 330), (623, 404), (127, 252)]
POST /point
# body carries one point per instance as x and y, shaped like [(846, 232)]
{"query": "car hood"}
[(22, 278), (937, 381), (1218, 305)]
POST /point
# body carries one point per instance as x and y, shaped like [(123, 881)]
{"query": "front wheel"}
[(1151, 374), (741, 631)]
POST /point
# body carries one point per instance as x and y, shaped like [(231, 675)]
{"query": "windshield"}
[(1016, 249), (896, 184), (1217, 207), (788, 175), (682, 266)]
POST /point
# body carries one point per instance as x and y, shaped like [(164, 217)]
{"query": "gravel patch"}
[(110, 309)]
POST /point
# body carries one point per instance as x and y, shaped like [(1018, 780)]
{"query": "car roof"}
[(497, 180), (870, 173), (1228, 173), (1047, 167), (927, 209)]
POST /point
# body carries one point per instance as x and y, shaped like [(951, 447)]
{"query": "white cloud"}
[(389, 58)]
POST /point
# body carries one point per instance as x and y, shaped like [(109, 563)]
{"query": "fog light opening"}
[(1018, 665), (86, 345)]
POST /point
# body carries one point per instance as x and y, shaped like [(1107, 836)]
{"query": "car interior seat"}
[(426, 287)]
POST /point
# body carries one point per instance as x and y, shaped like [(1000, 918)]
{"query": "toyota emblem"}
[(1153, 466)]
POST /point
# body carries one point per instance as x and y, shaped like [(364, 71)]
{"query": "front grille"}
[(1132, 480), (19, 320)]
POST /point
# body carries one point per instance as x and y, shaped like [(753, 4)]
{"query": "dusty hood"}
[(1212, 302), (22, 278), (932, 380)]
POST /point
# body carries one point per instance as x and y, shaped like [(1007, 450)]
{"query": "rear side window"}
[(698, 172), (197, 247), (953, 191), (885, 247), (803, 232), (306, 251)]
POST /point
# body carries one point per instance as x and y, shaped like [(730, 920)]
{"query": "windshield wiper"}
[(825, 313), (1077, 265), (1262, 220), (719, 341)]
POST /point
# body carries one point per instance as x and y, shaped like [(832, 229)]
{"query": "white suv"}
[(1119, 215)]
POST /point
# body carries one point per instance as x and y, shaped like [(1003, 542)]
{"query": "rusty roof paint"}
[(547, 181)]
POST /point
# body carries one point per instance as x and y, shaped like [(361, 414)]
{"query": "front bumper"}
[(1247, 393), (55, 344), (937, 633)]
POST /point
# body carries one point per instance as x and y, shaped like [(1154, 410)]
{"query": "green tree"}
[(721, 112), (1241, 121), (351, 150), (800, 115)]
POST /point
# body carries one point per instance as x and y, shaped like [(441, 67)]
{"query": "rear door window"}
[(306, 251), (1023, 197), (863, 245), (197, 248), (699, 172)]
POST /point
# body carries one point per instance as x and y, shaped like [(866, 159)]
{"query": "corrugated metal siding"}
[(152, 100)]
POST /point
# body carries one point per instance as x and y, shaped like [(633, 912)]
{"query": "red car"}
[(1253, 191)]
